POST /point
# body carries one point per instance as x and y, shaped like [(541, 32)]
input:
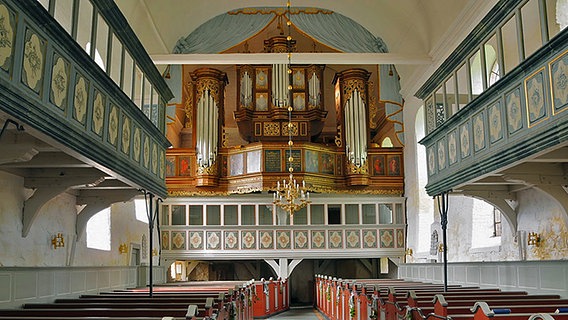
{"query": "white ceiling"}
[(410, 28)]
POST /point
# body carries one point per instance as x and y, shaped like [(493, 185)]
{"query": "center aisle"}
[(304, 313)]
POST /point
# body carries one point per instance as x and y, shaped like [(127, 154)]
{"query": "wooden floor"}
[(304, 313)]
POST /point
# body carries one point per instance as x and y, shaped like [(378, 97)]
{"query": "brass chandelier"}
[(290, 195)]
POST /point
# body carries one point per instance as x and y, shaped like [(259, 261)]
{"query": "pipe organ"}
[(209, 86), (352, 88), (280, 82)]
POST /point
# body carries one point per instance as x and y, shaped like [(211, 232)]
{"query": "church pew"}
[(482, 311)]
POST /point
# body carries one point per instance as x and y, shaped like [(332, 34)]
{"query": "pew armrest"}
[(191, 312), (484, 307), (541, 316)]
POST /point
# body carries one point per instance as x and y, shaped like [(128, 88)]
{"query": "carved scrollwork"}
[(338, 137), (354, 84), (354, 169), (213, 86), (189, 105), (211, 170)]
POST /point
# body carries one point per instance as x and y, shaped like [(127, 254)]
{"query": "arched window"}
[(98, 231), (426, 205), (140, 208), (484, 231)]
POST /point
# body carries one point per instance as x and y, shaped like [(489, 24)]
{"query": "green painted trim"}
[(468, 46)]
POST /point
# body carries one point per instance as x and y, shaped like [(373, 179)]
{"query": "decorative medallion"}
[(162, 164), (300, 240), (261, 101), (136, 144), (80, 99), (98, 113), (283, 239), (59, 82), (514, 111), (33, 61), (266, 240), (146, 151), (196, 240), (465, 147), (154, 158), (318, 240), (249, 240), (441, 154), (386, 238), (559, 81), (231, 240), (400, 238), (6, 36), (113, 125), (261, 79), (478, 132), (299, 101), (352, 239), (495, 122), (165, 240), (213, 240), (335, 239), (298, 80), (535, 97), (431, 161), (369, 239), (125, 142), (453, 147), (178, 240)]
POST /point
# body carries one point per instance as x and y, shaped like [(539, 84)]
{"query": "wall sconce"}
[(440, 247), (154, 252), (123, 248), (57, 241), (408, 251), (533, 239)]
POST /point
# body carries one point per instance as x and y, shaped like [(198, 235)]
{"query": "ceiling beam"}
[(296, 58)]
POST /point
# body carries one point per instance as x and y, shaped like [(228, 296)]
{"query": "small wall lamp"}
[(57, 241), (155, 252), (408, 251), (123, 248), (533, 239)]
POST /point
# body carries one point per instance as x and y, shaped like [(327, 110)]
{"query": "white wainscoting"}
[(21, 285), (536, 277)]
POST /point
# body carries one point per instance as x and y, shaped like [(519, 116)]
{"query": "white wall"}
[(59, 216)]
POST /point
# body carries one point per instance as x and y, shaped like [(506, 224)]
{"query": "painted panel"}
[(301, 240), (59, 87), (78, 281), (99, 113), (283, 240), (136, 144), (553, 277), (378, 165), (126, 135), (558, 83), (327, 163), (253, 161), (80, 99), (335, 239), (196, 240), (165, 240), (266, 239), (527, 277), (145, 151), (352, 239), (248, 239), (369, 239), (5, 282), (318, 239), (514, 109), (312, 161), (495, 114), (489, 276), (453, 147), (170, 166), (479, 140), (465, 139), (394, 165), (231, 240), (62, 284), (112, 126), (386, 238), (213, 240), (46, 285), (442, 154), (535, 96), (7, 37), (236, 162), (91, 280), (178, 240), (25, 286), (272, 161), (33, 61), (154, 158), (431, 160), (400, 238)]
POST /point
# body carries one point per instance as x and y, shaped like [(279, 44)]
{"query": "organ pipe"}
[(356, 129), (207, 129), (280, 85)]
